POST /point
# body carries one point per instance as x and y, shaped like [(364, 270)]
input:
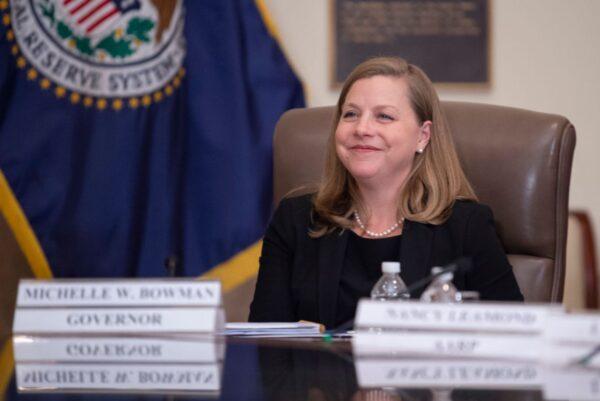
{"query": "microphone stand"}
[(172, 265)]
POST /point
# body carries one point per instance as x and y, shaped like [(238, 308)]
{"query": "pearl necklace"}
[(374, 234)]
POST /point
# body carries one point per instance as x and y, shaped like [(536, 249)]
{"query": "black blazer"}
[(299, 276)]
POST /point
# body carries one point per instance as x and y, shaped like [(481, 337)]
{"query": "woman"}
[(393, 189)]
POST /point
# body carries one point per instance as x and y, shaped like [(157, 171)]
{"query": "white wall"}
[(545, 56)]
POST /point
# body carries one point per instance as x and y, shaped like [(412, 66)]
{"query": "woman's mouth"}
[(364, 148)]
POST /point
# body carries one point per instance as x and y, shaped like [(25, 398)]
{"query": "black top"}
[(361, 270), (299, 276)]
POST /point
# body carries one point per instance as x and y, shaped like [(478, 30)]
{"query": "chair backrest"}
[(581, 273), (518, 161)]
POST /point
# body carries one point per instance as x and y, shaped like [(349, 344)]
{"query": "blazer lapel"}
[(332, 251), (415, 252)]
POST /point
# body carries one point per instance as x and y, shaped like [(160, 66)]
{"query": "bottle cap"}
[(390, 267), (448, 276), (436, 269)]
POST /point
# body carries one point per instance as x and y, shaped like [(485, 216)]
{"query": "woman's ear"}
[(424, 135)]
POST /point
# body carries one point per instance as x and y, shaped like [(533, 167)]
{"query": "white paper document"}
[(274, 329)]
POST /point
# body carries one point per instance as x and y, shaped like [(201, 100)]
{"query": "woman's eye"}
[(384, 116), (349, 114)]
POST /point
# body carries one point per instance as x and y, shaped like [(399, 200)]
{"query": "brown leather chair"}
[(581, 274), (518, 161)]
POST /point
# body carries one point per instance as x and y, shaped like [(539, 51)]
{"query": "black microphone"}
[(460, 265)]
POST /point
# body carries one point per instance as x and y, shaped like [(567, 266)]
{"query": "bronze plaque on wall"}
[(446, 38)]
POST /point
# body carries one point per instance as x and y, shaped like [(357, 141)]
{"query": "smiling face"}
[(378, 133)]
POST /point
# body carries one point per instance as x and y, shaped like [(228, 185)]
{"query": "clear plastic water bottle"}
[(390, 286), (441, 288)]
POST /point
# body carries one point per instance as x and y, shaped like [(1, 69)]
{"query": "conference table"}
[(317, 369)]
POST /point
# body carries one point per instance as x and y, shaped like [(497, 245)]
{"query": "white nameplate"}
[(118, 320), (472, 316), (569, 354), (117, 377), (468, 345), (574, 328), (571, 384), (118, 292), (116, 349), (445, 373)]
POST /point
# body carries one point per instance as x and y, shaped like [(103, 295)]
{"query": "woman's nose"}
[(364, 126)]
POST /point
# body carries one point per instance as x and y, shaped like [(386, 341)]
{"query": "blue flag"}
[(134, 131)]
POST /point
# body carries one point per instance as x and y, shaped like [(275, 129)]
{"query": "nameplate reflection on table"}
[(313, 374), (190, 364), (555, 382), (338, 373), (285, 369)]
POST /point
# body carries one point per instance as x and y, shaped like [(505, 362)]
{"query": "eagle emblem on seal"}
[(103, 48)]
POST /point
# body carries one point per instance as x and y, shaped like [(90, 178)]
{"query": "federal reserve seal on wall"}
[(101, 51)]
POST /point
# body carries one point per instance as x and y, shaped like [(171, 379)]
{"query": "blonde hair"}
[(436, 179)]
